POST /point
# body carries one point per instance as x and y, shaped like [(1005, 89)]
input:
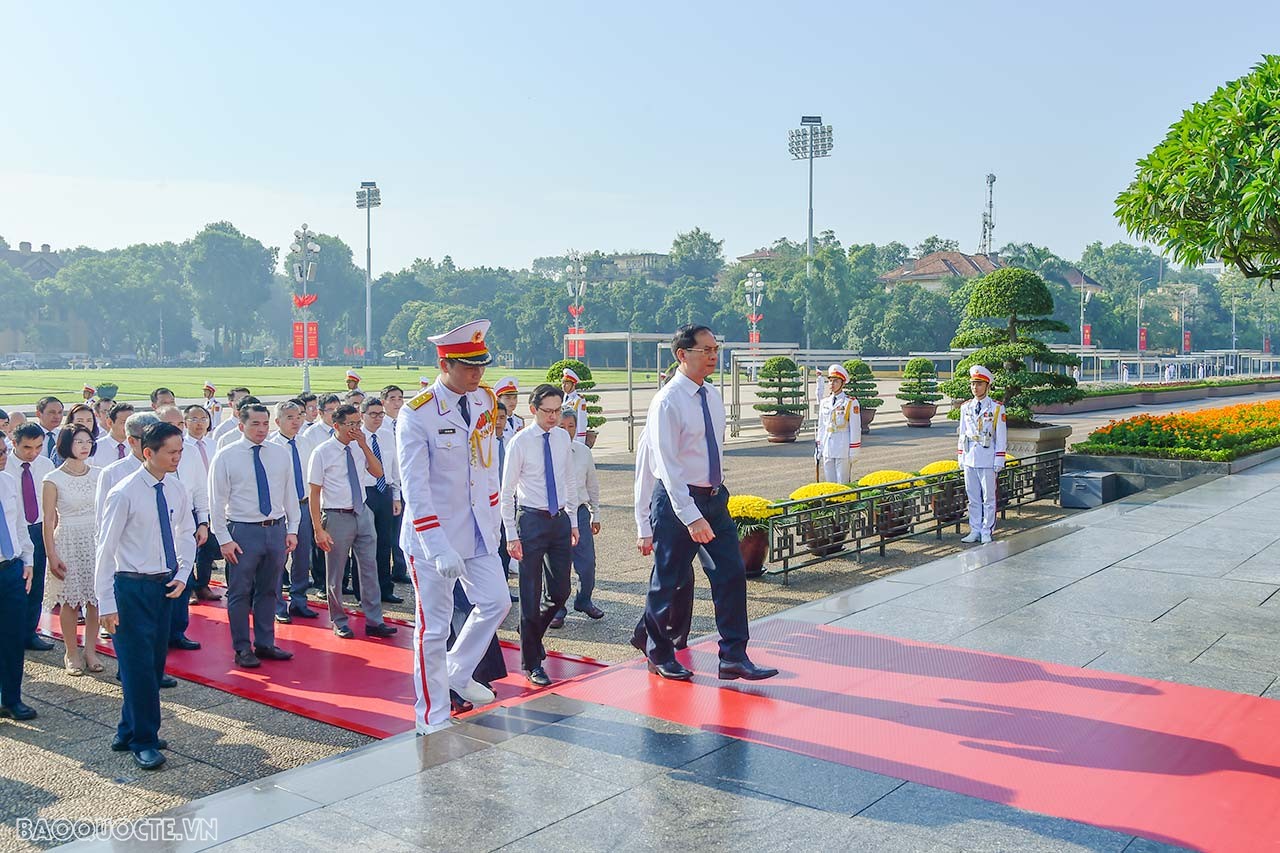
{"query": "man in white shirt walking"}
[(587, 486), (146, 547), (28, 468), (197, 461), (114, 445), (254, 506), (297, 576), (382, 496), (231, 423), (538, 482)]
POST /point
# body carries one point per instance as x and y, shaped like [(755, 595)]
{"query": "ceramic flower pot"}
[(894, 519), (868, 415), (754, 547), (819, 537), (782, 428), (950, 503), (919, 414)]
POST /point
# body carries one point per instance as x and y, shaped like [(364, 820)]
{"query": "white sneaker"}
[(426, 730), (474, 692), (986, 537), (971, 538)]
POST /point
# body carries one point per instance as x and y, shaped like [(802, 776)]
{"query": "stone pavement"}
[(1178, 584)]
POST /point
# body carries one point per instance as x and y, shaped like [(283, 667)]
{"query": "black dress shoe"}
[(672, 670), (18, 711), (344, 632), (168, 681), (458, 705), (392, 599), (118, 745), (272, 653), (557, 621), (730, 670), (247, 659), (383, 630), (591, 610), (638, 643), (184, 643), (38, 644), (538, 676), (302, 612), (514, 598), (149, 759), (284, 619)]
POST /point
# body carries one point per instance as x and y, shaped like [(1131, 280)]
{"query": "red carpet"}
[(364, 685), (1183, 765)]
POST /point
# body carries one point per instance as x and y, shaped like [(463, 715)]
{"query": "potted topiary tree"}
[(919, 392), (862, 386), (779, 385), (595, 416), (1021, 302)]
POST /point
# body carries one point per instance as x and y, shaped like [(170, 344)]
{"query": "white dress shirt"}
[(677, 440), (129, 538), (110, 477), (233, 487), (230, 436), (231, 424), (645, 480), (328, 470), (387, 447), (586, 484), (277, 438), (40, 466), (194, 474), (524, 479), (16, 520), (310, 440), (107, 451)]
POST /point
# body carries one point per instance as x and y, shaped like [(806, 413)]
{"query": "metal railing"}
[(861, 518)]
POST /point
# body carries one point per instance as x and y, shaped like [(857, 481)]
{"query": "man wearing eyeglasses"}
[(685, 434)]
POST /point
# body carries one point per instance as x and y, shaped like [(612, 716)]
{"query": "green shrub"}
[(595, 416), (862, 384), (919, 383), (780, 384)]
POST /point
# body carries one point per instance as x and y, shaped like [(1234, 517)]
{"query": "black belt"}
[(270, 522), (337, 509), (154, 577), (705, 491), (546, 512), (11, 561)]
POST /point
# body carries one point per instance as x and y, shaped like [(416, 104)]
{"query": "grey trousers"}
[(352, 532), (253, 582)]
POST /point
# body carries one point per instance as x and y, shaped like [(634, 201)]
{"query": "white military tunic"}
[(574, 400), (981, 446), (449, 483), (839, 436)]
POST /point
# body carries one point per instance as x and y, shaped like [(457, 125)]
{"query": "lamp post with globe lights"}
[(306, 249), (575, 282), (755, 297)]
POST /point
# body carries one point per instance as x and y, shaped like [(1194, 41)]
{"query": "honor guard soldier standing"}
[(573, 400), (211, 404), (508, 393), (981, 448), (448, 454), (839, 429)]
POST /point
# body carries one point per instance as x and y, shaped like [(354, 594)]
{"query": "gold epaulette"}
[(422, 399)]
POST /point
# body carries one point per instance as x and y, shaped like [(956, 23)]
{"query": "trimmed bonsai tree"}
[(780, 387), (919, 383), (1020, 302), (595, 412), (862, 384)]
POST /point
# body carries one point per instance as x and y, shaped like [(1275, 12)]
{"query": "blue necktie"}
[(713, 450), (297, 467), (6, 541), (353, 479), (166, 531), (502, 458), (465, 408), (381, 485), (264, 489), (553, 499), (49, 445)]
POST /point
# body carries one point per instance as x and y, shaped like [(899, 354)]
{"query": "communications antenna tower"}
[(988, 218)]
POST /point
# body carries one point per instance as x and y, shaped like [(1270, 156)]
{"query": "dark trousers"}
[(399, 566), (502, 551), (13, 610), (680, 616), (542, 537), (673, 553), (297, 572), (384, 527), (492, 666), (141, 644), (205, 555), (35, 598), (254, 582)]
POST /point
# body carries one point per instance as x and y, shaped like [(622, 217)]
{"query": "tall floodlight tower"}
[(807, 142), (988, 218)]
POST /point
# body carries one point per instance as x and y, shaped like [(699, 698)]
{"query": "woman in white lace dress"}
[(70, 541)]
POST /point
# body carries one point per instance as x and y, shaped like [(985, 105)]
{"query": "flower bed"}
[(1213, 435)]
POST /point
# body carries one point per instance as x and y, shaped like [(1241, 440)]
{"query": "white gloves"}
[(449, 565)]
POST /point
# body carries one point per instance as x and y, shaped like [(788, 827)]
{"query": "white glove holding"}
[(449, 565)]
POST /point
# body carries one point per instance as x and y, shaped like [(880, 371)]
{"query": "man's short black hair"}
[(155, 395), (247, 401), (329, 399), (686, 337), (194, 407), (371, 401), (390, 388), (544, 391), (154, 436), (117, 409), (44, 402), (4, 416), (28, 431), (342, 411), (502, 407), (250, 408), (306, 397), (352, 394), (240, 390)]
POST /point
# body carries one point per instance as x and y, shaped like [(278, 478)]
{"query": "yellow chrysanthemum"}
[(884, 478), (942, 466), (751, 508), (1010, 461), (818, 490)]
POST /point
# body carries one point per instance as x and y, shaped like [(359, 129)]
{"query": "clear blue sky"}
[(501, 132)]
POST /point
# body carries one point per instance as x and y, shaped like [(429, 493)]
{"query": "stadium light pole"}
[(367, 198), (811, 140)]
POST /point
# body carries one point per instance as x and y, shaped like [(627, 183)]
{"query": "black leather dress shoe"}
[(149, 759), (18, 711), (383, 630), (344, 632), (671, 670), (302, 612), (557, 621), (538, 676), (247, 659), (38, 644), (458, 705), (392, 599), (592, 611), (184, 643), (638, 643), (730, 670), (118, 745), (284, 618), (272, 653), (168, 681)]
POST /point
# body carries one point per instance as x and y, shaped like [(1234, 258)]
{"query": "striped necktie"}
[(381, 485)]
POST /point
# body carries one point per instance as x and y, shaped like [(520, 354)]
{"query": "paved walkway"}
[(1177, 584)]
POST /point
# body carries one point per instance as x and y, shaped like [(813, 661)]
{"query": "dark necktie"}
[(381, 485), (465, 408), (166, 531), (6, 541), (715, 476), (29, 504), (502, 458), (48, 447), (120, 453), (264, 488), (353, 480), (553, 499), (297, 467)]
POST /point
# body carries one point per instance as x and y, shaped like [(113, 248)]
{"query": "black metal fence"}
[(857, 519)]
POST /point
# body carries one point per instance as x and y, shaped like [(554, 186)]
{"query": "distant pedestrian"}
[(587, 489)]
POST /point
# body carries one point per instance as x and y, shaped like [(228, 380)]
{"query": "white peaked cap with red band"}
[(569, 376), (351, 374), (506, 385), (208, 386), (977, 371), (837, 371)]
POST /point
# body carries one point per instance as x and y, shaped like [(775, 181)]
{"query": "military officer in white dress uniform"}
[(573, 400), (508, 393), (449, 469), (981, 448), (839, 429)]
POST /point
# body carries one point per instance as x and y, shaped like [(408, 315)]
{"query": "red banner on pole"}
[(1186, 342), (1087, 337), (313, 340), (1266, 343), (298, 341), (1142, 338), (753, 337), (575, 349)]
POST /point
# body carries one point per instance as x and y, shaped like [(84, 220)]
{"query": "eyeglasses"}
[(549, 411), (707, 350)]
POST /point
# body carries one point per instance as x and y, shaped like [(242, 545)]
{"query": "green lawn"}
[(24, 387)]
